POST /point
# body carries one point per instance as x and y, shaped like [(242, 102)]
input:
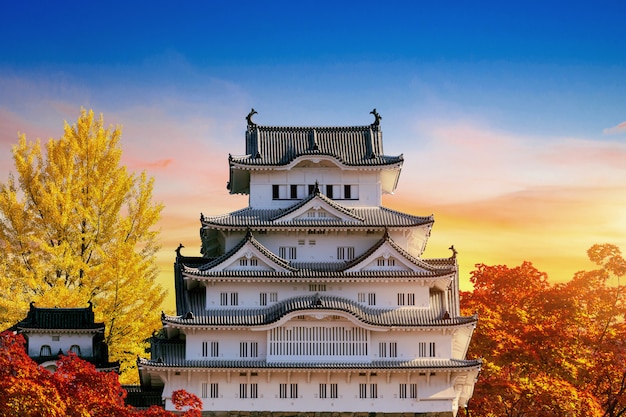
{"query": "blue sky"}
[(510, 114)]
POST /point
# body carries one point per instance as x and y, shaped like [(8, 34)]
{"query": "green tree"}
[(76, 226)]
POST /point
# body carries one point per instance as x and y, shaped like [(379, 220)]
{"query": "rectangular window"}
[(393, 349), (275, 192), (234, 298), (347, 192), (243, 262), (382, 350), (205, 390), (311, 242), (56, 338), (243, 391), (287, 252), (362, 390), (283, 390), (210, 349), (311, 188), (254, 390), (223, 298), (293, 191), (294, 390), (345, 252), (400, 299), (263, 299), (423, 352), (248, 349), (334, 391), (373, 390), (413, 388), (322, 390), (411, 299), (254, 262), (361, 297), (317, 287), (380, 262), (402, 393), (371, 299), (214, 390), (329, 191), (273, 297)]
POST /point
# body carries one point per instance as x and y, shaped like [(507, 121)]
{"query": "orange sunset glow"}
[(512, 122)]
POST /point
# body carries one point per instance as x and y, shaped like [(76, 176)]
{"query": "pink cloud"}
[(620, 128)]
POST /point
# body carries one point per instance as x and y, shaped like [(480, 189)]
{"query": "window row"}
[(232, 299), (325, 390), (306, 341), (46, 350), (300, 191)]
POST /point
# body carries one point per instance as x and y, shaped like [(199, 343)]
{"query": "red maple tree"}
[(550, 349), (76, 389)]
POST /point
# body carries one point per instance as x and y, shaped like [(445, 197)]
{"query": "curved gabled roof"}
[(279, 146), (439, 267), (172, 355), (397, 317), (316, 195), (60, 318), (249, 239), (373, 217)]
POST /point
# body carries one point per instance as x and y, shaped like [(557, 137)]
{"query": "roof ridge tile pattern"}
[(279, 146), (403, 317), (250, 218)]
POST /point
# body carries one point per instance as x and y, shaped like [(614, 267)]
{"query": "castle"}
[(315, 298)]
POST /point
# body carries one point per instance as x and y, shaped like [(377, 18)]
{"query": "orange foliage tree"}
[(76, 389), (550, 350)]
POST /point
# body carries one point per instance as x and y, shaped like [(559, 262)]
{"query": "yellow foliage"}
[(77, 227)]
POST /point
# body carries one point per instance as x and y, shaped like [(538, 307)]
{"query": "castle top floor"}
[(282, 164)]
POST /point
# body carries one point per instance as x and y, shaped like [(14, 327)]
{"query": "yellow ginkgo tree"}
[(77, 227)]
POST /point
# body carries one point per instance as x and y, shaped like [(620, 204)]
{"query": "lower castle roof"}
[(402, 317), (428, 364)]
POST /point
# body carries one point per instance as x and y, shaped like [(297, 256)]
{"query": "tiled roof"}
[(319, 196), (322, 270), (171, 353), (404, 317), (379, 217), (249, 238), (351, 145), (60, 318), (433, 268)]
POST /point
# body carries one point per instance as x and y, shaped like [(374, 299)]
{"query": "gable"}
[(317, 209), (249, 257), (386, 258)]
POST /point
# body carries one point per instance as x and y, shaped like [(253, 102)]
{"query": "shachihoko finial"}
[(377, 117), (249, 118)]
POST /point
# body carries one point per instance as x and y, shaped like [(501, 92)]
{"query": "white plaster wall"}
[(261, 182), (324, 247), (36, 340), (434, 392), (228, 343), (386, 293)]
